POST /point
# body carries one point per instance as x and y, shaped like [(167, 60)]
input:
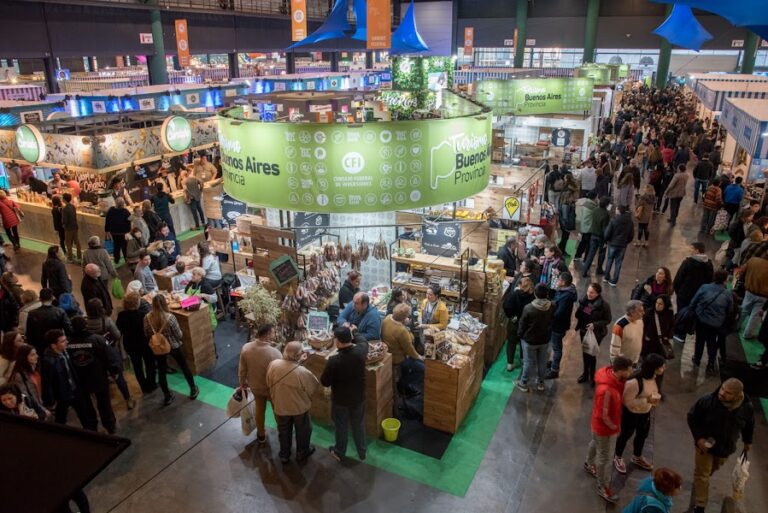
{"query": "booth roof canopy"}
[(137, 91), (103, 124), (755, 87), (754, 108), (725, 77), (14, 104)]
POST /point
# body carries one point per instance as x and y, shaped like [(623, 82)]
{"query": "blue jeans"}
[(535, 361), (699, 185), (596, 247), (197, 210), (556, 340), (615, 255), (343, 417), (750, 307), (707, 220)]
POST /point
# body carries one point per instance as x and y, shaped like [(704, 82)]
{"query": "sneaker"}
[(600, 272), (168, 399), (618, 462), (583, 378), (510, 367), (336, 456), (552, 374), (360, 456), (678, 339), (605, 279), (194, 393), (540, 387), (305, 457), (523, 387), (695, 363), (607, 494), (645, 244), (261, 440), (130, 403), (711, 370), (590, 469), (612, 283), (642, 463), (637, 244), (758, 366)]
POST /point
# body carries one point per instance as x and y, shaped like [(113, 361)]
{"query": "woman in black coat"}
[(54, 275), (658, 326), (130, 322), (349, 288), (513, 305), (593, 313)]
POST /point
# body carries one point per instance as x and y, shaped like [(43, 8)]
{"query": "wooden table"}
[(449, 393), (197, 339), (378, 393), (38, 225)]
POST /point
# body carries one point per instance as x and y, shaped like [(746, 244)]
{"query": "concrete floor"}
[(188, 458)]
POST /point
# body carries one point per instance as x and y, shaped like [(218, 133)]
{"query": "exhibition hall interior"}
[(347, 256)]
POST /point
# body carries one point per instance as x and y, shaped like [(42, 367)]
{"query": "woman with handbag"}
[(644, 215), (160, 321), (593, 315), (660, 283), (658, 330)]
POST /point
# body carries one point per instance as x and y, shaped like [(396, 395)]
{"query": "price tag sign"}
[(511, 208)]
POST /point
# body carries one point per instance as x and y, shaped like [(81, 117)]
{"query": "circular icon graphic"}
[(183, 44), (415, 150), (415, 195), (370, 198), (320, 168), (415, 166), (400, 197), (293, 183), (306, 168), (386, 183), (304, 137), (339, 200), (322, 200), (290, 152), (385, 168), (307, 198), (400, 167), (416, 134), (320, 137), (415, 181), (385, 136), (181, 28), (385, 152), (400, 151), (298, 16), (400, 182), (352, 162), (293, 198), (291, 168), (369, 136), (386, 198), (337, 137), (320, 153), (582, 91), (322, 183)]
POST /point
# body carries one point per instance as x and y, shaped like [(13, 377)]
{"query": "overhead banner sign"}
[(182, 42), (298, 20), (30, 143), (371, 168), (469, 40), (313, 226), (601, 74), (379, 35), (536, 95)]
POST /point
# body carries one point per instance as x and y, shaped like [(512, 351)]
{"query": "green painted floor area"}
[(752, 351), (34, 245), (188, 234), (452, 474), (722, 236)]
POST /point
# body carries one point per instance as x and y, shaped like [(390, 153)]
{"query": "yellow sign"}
[(511, 208)]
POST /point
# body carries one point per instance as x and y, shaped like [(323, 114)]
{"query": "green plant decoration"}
[(260, 306)]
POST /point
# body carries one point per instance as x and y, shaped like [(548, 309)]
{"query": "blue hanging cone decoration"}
[(681, 28), (406, 39), (752, 14), (361, 20), (334, 27)]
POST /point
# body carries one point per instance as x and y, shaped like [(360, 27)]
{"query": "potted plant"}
[(260, 306)]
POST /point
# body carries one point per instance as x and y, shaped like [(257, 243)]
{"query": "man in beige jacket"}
[(291, 387), (399, 340), (255, 357)]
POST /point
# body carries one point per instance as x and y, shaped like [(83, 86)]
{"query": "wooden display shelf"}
[(197, 338), (449, 393), (378, 393), (430, 261), (423, 288)]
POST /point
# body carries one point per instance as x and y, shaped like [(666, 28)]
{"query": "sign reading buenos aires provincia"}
[(370, 168), (535, 96)]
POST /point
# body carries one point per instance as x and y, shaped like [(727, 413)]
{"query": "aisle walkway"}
[(533, 462)]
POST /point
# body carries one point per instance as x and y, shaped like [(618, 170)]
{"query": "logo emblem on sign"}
[(352, 162)]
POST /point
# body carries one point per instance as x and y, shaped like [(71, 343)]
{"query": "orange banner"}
[(182, 42), (469, 40), (298, 20), (379, 25)]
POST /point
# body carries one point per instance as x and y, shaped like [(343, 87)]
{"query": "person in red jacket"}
[(11, 214), (606, 423)]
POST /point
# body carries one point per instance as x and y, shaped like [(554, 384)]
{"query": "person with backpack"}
[(555, 186), (534, 330), (676, 192), (618, 234), (641, 394), (712, 304), (165, 338), (599, 219), (587, 210), (713, 201), (702, 174), (655, 492)]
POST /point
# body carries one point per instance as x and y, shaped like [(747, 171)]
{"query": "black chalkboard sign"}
[(284, 270), (231, 208), (312, 227), (441, 239)]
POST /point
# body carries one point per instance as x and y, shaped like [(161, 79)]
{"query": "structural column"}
[(51, 84), (590, 30), (665, 55), (158, 74), (234, 65), (290, 63), (334, 62), (750, 51), (521, 20), (369, 60)]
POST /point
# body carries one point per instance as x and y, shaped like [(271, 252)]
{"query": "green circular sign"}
[(30, 143), (176, 134)]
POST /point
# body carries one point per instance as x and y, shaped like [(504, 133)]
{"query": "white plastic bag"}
[(248, 418), (739, 476), (589, 344), (234, 406)]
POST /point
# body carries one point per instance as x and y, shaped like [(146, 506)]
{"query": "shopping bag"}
[(589, 344), (117, 289), (739, 476), (236, 403), (248, 418), (721, 220)]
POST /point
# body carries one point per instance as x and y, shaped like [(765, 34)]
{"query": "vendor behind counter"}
[(433, 312)]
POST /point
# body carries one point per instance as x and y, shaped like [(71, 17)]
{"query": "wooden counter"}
[(198, 345), (449, 393), (38, 224), (378, 393)]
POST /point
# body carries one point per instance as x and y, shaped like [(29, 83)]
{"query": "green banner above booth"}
[(535, 96), (601, 74), (346, 168)]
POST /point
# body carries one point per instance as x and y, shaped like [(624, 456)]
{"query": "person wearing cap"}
[(291, 387), (95, 254), (345, 374), (94, 287)]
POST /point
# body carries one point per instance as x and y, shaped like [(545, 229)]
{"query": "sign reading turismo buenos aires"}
[(535, 96), (369, 168)]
